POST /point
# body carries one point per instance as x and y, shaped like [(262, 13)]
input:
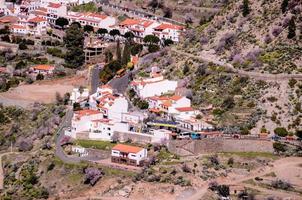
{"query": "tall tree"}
[(114, 33), (88, 28), (102, 31), (126, 54), (246, 8), (74, 41), (62, 22), (284, 6), (151, 39), (291, 28), (118, 51)]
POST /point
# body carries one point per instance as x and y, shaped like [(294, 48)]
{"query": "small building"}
[(129, 155), (78, 95), (43, 69), (153, 86)]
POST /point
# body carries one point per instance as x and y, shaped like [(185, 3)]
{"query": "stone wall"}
[(189, 147)]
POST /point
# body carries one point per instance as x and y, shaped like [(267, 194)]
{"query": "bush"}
[(281, 131), (92, 175), (22, 46), (292, 82), (223, 190), (153, 48), (279, 147), (55, 52), (279, 184)]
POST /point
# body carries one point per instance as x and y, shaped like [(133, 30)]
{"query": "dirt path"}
[(231, 68), (281, 164)]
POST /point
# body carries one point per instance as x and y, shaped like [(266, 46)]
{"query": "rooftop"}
[(43, 67), (127, 148)]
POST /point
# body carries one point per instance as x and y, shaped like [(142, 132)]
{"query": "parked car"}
[(195, 136), (183, 135)]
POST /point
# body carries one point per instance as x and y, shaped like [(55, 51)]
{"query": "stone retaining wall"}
[(189, 147)]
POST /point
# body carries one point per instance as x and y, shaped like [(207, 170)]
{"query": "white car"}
[(183, 135)]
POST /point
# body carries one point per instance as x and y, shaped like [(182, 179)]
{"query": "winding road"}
[(231, 69)]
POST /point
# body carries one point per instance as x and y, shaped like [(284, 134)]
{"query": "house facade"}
[(129, 155)]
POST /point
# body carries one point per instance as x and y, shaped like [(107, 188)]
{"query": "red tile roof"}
[(9, 19), (87, 112), (54, 5), (16, 26), (184, 109), (37, 19), (129, 22), (127, 148), (44, 67), (168, 26), (175, 97)]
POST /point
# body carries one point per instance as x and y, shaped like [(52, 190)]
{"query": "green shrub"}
[(281, 131)]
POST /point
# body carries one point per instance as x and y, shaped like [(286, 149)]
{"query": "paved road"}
[(231, 69), (94, 78), (120, 84)]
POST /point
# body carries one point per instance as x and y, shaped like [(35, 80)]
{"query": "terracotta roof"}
[(167, 103), (175, 97), (129, 22), (39, 12), (127, 148), (43, 67), (16, 26), (37, 19), (9, 19), (54, 5), (184, 109), (87, 112), (155, 110), (168, 26), (97, 15)]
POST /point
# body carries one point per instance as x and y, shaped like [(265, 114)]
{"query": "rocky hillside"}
[(196, 11), (259, 42), (266, 38)]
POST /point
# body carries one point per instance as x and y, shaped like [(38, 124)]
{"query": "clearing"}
[(41, 91)]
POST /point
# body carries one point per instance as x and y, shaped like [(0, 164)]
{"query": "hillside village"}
[(136, 100)]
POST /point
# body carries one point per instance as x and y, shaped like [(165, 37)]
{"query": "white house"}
[(43, 69), (194, 124), (130, 155), (139, 27), (111, 105), (81, 121), (95, 20), (168, 104), (154, 86), (54, 11), (168, 31), (78, 95), (103, 129)]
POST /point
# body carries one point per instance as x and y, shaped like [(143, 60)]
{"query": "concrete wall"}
[(189, 147), (134, 137)]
